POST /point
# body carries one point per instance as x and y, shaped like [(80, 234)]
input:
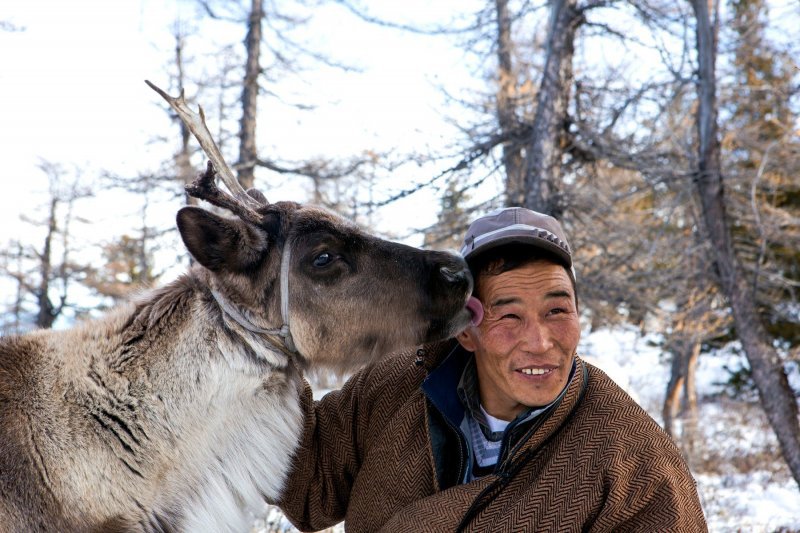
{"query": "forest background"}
[(664, 134)]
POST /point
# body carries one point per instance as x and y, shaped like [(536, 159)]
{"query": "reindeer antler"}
[(204, 187)]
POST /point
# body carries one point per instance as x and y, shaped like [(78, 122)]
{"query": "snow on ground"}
[(731, 450)]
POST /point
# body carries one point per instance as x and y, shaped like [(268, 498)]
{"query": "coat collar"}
[(441, 384)]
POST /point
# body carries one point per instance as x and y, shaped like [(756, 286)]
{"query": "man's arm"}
[(317, 489), (651, 492)]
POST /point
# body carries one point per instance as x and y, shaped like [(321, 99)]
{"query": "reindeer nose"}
[(452, 271), (454, 275)]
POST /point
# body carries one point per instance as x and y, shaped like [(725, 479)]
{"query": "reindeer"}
[(180, 410)]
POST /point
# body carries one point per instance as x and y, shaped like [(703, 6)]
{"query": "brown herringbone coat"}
[(598, 463)]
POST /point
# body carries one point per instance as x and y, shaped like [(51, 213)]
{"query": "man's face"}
[(525, 344)]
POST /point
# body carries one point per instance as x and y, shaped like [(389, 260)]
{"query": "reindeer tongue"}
[(475, 309)]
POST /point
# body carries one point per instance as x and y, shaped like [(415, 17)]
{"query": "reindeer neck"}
[(273, 346)]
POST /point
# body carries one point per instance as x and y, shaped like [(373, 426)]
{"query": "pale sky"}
[(72, 92)]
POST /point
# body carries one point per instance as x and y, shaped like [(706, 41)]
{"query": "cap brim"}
[(518, 236)]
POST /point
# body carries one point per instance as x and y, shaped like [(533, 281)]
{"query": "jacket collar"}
[(445, 362), (442, 381)]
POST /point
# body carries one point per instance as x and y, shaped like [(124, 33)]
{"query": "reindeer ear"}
[(220, 244), (257, 195)]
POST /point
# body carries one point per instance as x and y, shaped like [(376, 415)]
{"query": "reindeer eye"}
[(323, 259)]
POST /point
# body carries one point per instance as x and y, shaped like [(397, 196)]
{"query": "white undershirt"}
[(495, 424)]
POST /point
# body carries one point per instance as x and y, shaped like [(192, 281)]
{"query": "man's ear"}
[(220, 244), (467, 338)]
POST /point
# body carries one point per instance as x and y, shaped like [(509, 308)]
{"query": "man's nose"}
[(536, 338)]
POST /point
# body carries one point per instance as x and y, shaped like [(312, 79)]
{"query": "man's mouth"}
[(535, 371)]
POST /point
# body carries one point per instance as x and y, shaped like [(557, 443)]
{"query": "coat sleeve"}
[(324, 466)]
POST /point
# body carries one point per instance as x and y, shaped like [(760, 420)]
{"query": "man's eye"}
[(323, 259), (509, 316)]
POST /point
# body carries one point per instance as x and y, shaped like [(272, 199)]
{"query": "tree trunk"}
[(247, 126), (685, 353), (45, 315), (690, 387), (507, 108), (691, 434), (20, 292), (777, 397), (545, 149), (183, 164), (672, 399)]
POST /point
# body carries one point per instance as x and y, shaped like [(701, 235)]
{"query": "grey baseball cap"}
[(516, 225)]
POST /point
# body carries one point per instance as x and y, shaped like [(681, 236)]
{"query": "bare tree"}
[(776, 395), (699, 317), (508, 107), (272, 52), (453, 220), (544, 150), (44, 274), (6, 25), (12, 266), (183, 165), (128, 268), (248, 154)]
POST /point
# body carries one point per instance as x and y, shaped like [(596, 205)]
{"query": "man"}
[(504, 429)]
